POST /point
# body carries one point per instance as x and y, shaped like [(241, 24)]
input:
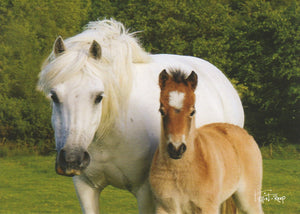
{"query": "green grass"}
[(28, 184), (282, 152), (283, 178)]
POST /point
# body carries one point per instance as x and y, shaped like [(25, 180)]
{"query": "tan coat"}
[(197, 170)]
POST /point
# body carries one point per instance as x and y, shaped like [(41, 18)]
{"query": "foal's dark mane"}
[(178, 76)]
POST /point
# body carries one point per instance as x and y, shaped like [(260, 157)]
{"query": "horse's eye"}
[(192, 113), (162, 112), (98, 98), (54, 97)]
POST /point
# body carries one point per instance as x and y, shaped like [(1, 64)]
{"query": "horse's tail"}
[(228, 207)]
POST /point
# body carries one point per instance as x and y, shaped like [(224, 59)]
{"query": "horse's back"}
[(216, 98)]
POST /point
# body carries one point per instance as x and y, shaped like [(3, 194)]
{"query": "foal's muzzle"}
[(71, 162), (176, 152)]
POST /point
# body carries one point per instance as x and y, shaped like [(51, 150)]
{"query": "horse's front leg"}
[(88, 196)]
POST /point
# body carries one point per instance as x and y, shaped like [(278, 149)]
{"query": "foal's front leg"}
[(166, 206), (87, 195), (211, 209), (160, 210)]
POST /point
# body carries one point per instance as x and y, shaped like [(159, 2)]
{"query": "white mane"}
[(119, 50)]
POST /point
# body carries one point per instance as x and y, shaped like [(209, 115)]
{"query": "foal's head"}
[(177, 108)]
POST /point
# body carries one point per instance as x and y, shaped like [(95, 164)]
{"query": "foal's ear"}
[(59, 46), (163, 77), (95, 50), (193, 80)]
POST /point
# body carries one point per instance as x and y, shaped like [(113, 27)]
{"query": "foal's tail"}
[(228, 207)]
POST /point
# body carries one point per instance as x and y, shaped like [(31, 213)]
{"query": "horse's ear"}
[(163, 77), (59, 46), (95, 50), (193, 80)]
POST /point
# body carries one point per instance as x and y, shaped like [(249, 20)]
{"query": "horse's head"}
[(76, 110), (177, 101), (77, 75)]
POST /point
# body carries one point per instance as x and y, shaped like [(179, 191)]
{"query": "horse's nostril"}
[(75, 160), (182, 148), (176, 153), (86, 160), (171, 147), (71, 162), (62, 158)]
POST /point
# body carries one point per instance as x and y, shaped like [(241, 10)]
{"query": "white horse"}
[(104, 91)]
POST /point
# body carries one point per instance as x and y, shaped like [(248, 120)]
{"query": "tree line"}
[(254, 42)]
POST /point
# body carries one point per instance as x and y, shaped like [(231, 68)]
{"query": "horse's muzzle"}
[(176, 153), (70, 163)]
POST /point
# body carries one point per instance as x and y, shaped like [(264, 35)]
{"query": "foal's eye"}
[(162, 112), (192, 113), (98, 98), (54, 97)]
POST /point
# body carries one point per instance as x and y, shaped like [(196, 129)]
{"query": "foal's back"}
[(230, 142), (231, 155)]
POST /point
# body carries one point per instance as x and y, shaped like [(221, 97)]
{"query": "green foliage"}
[(264, 51), (193, 28), (255, 42), (27, 31)]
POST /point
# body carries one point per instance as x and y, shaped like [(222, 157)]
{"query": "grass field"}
[(28, 184)]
